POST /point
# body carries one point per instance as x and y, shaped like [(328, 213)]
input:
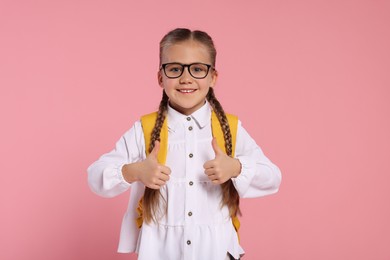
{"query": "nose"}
[(186, 76)]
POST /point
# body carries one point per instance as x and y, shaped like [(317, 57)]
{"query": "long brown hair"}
[(230, 195)]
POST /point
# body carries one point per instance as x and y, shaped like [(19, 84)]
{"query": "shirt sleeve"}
[(105, 175), (259, 176)]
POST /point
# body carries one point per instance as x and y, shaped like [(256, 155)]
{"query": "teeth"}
[(186, 90)]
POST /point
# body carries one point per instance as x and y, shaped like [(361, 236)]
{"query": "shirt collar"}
[(201, 116)]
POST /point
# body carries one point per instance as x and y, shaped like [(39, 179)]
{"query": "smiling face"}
[(186, 94)]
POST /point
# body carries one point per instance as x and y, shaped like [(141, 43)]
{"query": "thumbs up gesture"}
[(152, 174), (222, 167)]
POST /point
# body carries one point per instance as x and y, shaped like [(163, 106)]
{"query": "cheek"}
[(208, 83), (168, 84)]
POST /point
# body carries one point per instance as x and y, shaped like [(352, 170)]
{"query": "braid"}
[(230, 195), (222, 120), (151, 196), (159, 121)]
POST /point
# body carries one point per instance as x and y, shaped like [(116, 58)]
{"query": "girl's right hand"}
[(152, 174)]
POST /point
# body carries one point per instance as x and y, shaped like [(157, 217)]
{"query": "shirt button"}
[(190, 128), (190, 213), (191, 183), (188, 118), (191, 155), (188, 242)]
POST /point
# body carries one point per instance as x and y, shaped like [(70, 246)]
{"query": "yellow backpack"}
[(148, 121)]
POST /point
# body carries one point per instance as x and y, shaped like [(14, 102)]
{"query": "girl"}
[(186, 165)]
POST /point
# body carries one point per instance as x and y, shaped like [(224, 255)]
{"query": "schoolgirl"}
[(187, 165)]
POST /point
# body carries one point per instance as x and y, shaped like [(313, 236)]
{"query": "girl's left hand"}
[(223, 167)]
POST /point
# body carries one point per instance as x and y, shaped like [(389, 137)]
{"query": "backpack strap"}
[(218, 133), (148, 121)]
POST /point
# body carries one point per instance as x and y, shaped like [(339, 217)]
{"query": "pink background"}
[(309, 80)]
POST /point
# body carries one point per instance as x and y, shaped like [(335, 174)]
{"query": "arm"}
[(259, 176), (105, 176)]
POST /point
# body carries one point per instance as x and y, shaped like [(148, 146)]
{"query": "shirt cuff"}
[(121, 177), (112, 176), (244, 179)]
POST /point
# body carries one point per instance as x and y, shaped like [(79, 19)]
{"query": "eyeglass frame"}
[(188, 69)]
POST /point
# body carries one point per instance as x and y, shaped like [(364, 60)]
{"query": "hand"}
[(152, 174), (223, 167)]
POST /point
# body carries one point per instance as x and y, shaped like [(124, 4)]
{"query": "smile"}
[(186, 90)]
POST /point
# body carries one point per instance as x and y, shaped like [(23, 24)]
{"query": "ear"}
[(160, 79), (214, 78)]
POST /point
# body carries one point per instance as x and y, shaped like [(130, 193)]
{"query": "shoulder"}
[(135, 130), (149, 120), (134, 140), (228, 115), (150, 115)]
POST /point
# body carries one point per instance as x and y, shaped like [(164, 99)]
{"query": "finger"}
[(215, 178), (211, 178), (216, 181), (160, 182), (155, 150), (156, 183), (164, 169), (208, 164), (209, 172), (153, 186), (164, 177), (217, 150)]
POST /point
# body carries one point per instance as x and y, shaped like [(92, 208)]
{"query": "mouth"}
[(186, 91)]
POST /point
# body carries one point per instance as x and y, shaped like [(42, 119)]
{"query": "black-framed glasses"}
[(197, 70)]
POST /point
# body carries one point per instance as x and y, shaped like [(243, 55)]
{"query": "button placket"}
[(191, 134), (190, 141)]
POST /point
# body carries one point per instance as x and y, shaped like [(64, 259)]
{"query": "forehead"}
[(186, 52)]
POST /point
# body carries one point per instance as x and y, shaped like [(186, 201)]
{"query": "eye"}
[(174, 68), (198, 68)]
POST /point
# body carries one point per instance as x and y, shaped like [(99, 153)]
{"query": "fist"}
[(151, 173), (222, 167), (154, 175)]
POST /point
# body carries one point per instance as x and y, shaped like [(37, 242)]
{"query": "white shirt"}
[(195, 226)]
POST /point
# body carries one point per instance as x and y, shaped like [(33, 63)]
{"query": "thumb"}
[(217, 150), (155, 150)]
